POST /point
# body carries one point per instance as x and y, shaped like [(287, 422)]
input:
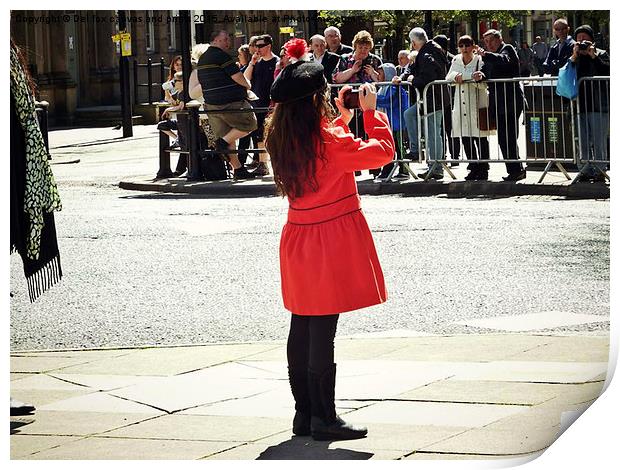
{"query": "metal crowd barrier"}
[(394, 102), (539, 126), (149, 79), (193, 161), (593, 124)]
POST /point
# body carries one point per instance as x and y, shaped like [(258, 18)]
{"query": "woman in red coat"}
[(327, 256)]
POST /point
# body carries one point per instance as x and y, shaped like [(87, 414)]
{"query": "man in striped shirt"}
[(224, 87)]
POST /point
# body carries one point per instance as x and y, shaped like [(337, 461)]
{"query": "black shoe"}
[(301, 424), (599, 178), (325, 424), (427, 176), (471, 176), (261, 170), (520, 175), (402, 176), (482, 176), (242, 174), (336, 430), (298, 380), (20, 409), (385, 172)]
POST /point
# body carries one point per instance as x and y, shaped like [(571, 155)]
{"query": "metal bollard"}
[(149, 71), (164, 157)]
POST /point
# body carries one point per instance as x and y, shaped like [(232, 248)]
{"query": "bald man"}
[(561, 50)]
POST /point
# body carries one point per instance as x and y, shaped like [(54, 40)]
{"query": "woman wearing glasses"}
[(469, 97)]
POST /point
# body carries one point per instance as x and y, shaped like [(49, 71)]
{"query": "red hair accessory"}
[(296, 48)]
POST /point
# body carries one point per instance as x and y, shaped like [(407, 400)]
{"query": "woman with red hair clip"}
[(328, 260)]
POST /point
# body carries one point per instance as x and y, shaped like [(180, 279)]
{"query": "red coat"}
[(328, 261)]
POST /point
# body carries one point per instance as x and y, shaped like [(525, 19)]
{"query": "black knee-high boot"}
[(325, 424), (298, 379)]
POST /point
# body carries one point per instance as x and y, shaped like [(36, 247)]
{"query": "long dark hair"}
[(294, 140), (32, 86), (172, 62)]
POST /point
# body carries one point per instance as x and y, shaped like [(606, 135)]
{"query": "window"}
[(150, 33), (171, 31)]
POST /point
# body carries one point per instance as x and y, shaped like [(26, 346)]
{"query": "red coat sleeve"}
[(351, 154)]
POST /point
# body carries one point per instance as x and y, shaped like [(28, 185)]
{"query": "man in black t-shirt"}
[(260, 73), (225, 87)]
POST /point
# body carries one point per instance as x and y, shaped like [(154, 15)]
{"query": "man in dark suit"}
[(563, 48), (320, 54), (505, 98)]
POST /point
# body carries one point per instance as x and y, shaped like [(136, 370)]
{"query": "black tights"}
[(311, 342)]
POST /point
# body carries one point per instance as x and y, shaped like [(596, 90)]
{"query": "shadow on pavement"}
[(304, 448)]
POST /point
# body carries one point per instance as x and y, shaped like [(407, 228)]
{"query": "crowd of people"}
[(459, 118)]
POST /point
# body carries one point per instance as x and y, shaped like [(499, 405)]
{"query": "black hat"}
[(585, 28), (442, 40), (297, 81)]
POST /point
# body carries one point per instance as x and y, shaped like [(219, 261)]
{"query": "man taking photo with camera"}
[(593, 105)]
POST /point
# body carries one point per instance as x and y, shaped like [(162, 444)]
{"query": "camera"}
[(584, 45), (351, 99), (168, 86)]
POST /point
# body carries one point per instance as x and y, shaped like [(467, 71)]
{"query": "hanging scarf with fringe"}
[(34, 194)]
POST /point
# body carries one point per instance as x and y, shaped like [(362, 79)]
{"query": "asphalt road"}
[(156, 269)]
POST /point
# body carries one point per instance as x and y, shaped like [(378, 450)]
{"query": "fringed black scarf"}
[(34, 195)]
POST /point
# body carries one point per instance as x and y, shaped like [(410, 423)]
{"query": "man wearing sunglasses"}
[(260, 73)]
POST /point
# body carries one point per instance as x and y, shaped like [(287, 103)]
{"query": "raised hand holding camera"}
[(368, 97)]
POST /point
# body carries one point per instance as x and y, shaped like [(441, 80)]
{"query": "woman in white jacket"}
[(469, 97)]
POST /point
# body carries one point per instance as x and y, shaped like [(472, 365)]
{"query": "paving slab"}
[(101, 402), (533, 321), (296, 449), (496, 441), (492, 392), (395, 437), (369, 348), (100, 448), (388, 334), (102, 383), (568, 349), (24, 446), (40, 397), (454, 456), (224, 382), (44, 382), (472, 348), (77, 423), (41, 364), (207, 428), (168, 361), (83, 354), (430, 413), (543, 372), (370, 380)]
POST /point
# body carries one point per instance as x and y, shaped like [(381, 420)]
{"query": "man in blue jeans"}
[(430, 65)]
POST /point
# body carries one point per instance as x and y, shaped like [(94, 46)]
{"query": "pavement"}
[(504, 395), (554, 183), (482, 396)]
